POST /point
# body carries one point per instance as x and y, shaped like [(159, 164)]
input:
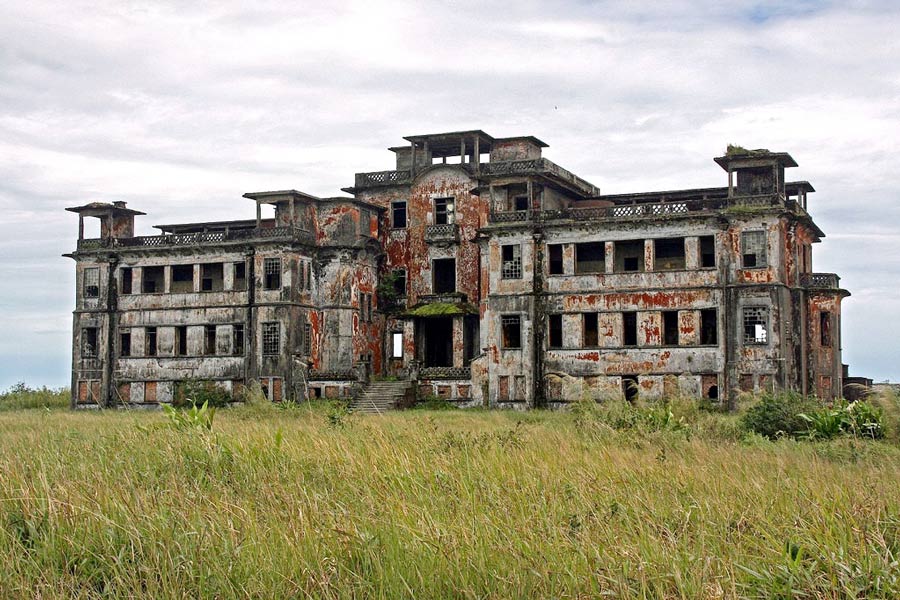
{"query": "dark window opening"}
[(240, 276), (589, 337), (707, 251), (398, 214), (212, 278), (556, 259), (316, 392), (209, 345), (629, 329), (630, 388), (471, 337), (709, 327), (152, 280), (127, 274), (754, 181), (150, 341), (307, 339), (512, 261), (444, 275), (629, 256), (511, 331), (670, 327), (825, 329), (181, 340), (89, 342), (125, 343), (399, 276), (555, 331), (271, 338), (520, 203), (182, 279), (237, 339), (753, 249), (92, 283), (668, 254), (590, 257), (444, 211), (756, 325), (272, 273)]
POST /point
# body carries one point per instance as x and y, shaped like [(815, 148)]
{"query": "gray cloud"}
[(179, 108)]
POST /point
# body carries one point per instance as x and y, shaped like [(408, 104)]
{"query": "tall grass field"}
[(311, 502)]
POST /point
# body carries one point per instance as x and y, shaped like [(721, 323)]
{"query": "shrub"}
[(195, 417), (434, 403), (20, 396), (859, 419), (776, 415), (193, 392)]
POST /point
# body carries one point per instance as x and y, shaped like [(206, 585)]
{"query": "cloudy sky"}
[(179, 108)]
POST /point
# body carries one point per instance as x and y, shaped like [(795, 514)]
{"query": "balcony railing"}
[(379, 178), (345, 375), (827, 281), (201, 238), (448, 232), (445, 373)]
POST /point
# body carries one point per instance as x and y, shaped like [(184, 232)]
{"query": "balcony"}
[(820, 281), (448, 232), (208, 238)]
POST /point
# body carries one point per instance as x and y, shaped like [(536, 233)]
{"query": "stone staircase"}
[(381, 396)]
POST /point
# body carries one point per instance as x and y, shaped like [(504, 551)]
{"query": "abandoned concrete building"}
[(477, 271)]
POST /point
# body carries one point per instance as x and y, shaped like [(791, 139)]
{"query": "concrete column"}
[(568, 259), (691, 253), (610, 257), (458, 341), (648, 255), (196, 278), (167, 279), (228, 276), (80, 226), (258, 214)]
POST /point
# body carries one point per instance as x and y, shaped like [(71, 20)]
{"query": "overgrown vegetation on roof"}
[(440, 309), (734, 150)]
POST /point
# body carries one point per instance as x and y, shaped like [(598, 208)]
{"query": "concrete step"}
[(380, 396)]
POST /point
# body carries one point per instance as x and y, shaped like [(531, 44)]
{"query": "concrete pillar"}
[(648, 255), (610, 257), (458, 345), (691, 253)]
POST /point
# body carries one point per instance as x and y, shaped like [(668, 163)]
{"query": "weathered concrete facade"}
[(480, 271)]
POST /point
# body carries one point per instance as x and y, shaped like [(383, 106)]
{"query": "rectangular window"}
[(753, 249), (629, 329), (150, 341), (153, 280), (125, 342), (209, 340), (444, 275), (89, 342), (240, 276), (707, 251), (554, 323), (272, 273), (670, 327), (182, 279), (756, 325), (397, 345), (307, 339), (590, 257), (709, 327), (589, 330), (444, 211), (181, 341), (237, 344), (271, 338), (825, 329), (127, 274), (212, 278), (511, 331), (92, 283), (399, 276), (398, 214), (512, 261), (556, 258), (629, 256), (668, 254), (520, 203)]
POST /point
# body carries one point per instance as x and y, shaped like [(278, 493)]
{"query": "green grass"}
[(295, 502), (20, 396)]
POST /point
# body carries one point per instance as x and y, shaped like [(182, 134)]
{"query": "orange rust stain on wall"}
[(591, 356), (755, 275)]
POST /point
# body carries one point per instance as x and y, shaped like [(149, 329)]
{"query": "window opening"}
[(272, 273), (825, 328), (520, 203), (556, 259), (756, 320), (629, 329), (152, 280), (307, 339), (398, 214), (238, 338), (444, 211), (150, 341), (89, 342), (511, 329), (92, 283), (399, 277), (181, 340), (590, 257), (555, 336), (753, 249), (444, 275), (209, 345), (397, 345), (512, 261), (182, 279), (240, 276), (271, 338), (709, 327), (670, 327), (127, 274), (125, 343), (630, 388), (668, 254), (212, 277), (629, 256), (589, 337), (707, 251)]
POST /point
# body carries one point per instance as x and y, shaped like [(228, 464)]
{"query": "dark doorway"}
[(437, 341), (630, 388), (444, 275)]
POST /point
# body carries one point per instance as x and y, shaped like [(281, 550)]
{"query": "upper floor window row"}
[(633, 256), (182, 279)]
